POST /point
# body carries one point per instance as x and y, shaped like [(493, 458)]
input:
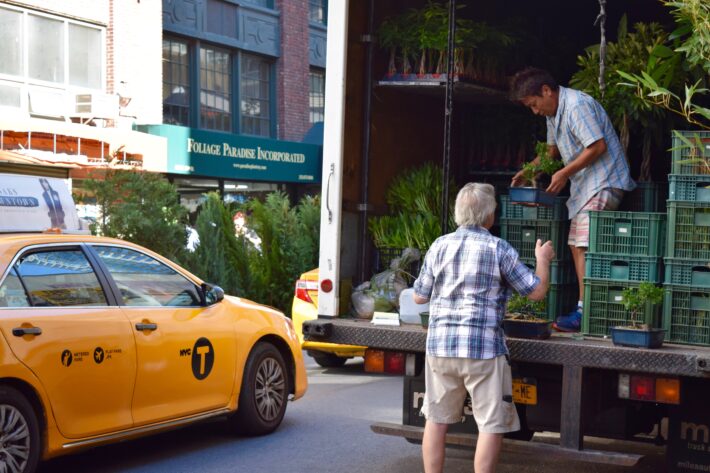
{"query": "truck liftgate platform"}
[(573, 355)]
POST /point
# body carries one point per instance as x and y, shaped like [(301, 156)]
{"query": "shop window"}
[(318, 11), (10, 33), (176, 82), (254, 90), (215, 86), (316, 95), (46, 48)]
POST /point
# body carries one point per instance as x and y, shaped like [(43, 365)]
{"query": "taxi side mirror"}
[(211, 294)]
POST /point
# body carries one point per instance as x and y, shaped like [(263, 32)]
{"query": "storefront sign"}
[(225, 155), (35, 204)]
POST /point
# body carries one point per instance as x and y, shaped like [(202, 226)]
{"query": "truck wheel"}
[(19, 433), (328, 360), (264, 393)]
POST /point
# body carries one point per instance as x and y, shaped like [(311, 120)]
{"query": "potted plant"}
[(529, 194), (636, 301), (522, 319)]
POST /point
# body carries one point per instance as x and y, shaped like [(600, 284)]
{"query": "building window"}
[(11, 33), (45, 41), (215, 86), (46, 49), (261, 3), (255, 94), (316, 95), (176, 82), (318, 11)]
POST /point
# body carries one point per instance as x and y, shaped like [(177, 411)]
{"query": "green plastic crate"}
[(686, 314), (647, 197), (561, 271), (623, 268), (690, 160), (525, 212), (688, 230), (682, 272), (522, 235), (627, 233), (603, 309), (561, 299), (689, 188)]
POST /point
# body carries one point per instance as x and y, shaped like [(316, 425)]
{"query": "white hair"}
[(475, 203)]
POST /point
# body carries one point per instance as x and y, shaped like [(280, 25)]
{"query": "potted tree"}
[(639, 301), (530, 194), (522, 319)]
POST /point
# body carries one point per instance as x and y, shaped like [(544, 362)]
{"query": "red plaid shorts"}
[(605, 199)]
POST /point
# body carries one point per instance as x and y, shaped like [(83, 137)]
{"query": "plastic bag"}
[(381, 293)]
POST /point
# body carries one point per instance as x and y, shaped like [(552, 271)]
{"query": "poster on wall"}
[(35, 204)]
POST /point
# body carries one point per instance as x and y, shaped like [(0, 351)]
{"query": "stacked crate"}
[(522, 226), (686, 303), (625, 249)]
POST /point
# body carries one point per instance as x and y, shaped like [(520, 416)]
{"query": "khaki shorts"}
[(605, 199), (488, 382)]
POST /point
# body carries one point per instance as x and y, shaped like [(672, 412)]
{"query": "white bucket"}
[(408, 309)]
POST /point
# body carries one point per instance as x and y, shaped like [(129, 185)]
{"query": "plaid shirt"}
[(467, 276), (579, 122)]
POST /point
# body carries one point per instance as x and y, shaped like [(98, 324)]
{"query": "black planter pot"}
[(538, 330), (629, 337), (531, 196)]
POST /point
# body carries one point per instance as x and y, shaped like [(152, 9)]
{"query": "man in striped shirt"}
[(580, 133), (467, 277)]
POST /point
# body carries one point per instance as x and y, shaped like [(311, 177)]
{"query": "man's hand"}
[(518, 179), (558, 182), (544, 253)]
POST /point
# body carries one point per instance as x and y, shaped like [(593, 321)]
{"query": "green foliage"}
[(635, 299), (694, 151), (415, 200), (140, 207), (545, 164), (689, 46), (289, 246), (221, 258), (522, 305)]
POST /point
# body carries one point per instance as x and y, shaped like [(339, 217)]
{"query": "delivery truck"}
[(380, 121)]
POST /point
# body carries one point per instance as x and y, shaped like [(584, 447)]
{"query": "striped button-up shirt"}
[(580, 121), (467, 277)]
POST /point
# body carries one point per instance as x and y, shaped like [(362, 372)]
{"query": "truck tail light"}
[(649, 388), (394, 362), (302, 288), (374, 361)]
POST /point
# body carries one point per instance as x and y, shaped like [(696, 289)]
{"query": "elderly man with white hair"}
[(467, 278)]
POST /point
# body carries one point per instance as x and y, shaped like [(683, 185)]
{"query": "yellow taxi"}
[(305, 307), (103, 340)]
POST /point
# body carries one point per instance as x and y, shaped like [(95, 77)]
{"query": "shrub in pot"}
[(637, 301), (533, 172), (522, 319)]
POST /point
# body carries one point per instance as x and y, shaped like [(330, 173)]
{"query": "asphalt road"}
[(326, 431)]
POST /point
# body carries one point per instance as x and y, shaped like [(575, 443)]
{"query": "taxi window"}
[(60, 278), (12, 294), (145, 281)]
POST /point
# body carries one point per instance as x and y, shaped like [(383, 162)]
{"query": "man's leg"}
[(434, 447), (578, 254), (487, 451)]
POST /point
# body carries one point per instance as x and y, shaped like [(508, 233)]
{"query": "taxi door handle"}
[(21, 331), (144, 326)]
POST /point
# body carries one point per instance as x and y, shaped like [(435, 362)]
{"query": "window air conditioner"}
[(96, 105)]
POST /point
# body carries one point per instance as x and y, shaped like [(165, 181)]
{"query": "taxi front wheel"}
[(19, 433), (264, 393)]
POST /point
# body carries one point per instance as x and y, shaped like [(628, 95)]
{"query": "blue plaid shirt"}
[(467, 276), (579, 122)]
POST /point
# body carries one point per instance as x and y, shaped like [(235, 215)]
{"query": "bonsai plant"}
[(522, 319), (639, 301), (532, 171)]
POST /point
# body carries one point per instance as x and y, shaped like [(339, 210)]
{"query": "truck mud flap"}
[(456, 439)]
